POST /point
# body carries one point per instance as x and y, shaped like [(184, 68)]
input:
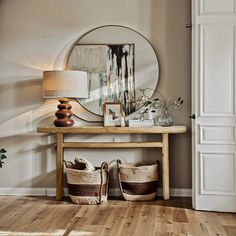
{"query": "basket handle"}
[(104, 166), (68, 164), (118, 177)]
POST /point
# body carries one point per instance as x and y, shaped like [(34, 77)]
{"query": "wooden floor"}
[(44, 216)]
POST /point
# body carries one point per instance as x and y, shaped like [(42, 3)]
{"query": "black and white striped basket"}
[(137, 183), (88, 187)]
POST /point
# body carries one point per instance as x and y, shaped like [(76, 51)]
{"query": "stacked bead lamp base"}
[(64, 114)]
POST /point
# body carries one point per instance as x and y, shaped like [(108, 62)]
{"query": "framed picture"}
[(113, 114), (110, 69)]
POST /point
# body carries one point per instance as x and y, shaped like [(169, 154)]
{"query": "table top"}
[(112, 130)]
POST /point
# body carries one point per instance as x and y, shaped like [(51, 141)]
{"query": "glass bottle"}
[(165, 119)]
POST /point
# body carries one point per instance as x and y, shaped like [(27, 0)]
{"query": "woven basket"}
[(137, 183), (88, 187)]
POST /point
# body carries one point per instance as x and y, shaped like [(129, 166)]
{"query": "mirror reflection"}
[(119, 61)]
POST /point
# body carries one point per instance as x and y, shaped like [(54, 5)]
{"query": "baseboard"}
[(23, 191), (52, 192), (175, 192)]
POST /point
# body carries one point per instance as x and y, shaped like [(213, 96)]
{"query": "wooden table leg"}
[(59, 166), (165, 166)]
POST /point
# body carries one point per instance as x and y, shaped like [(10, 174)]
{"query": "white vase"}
[(150, 115)]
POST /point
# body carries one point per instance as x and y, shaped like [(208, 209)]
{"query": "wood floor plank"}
[(227, 219), (230, 230), (102, 214), (43, 216), (164, 229), (140, 217), (166, 215), (182, 228), (197, 227), (146, 222), (26, 221), (212, 223), (127, 223), (81, 219), (116, 220), (13, 212), (180, 216)]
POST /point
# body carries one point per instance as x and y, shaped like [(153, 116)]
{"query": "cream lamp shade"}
[(65, 83)]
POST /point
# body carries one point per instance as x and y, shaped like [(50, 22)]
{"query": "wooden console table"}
[(61, 145)]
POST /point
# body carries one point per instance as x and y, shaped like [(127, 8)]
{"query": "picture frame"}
[(111, 74), (113, 114)]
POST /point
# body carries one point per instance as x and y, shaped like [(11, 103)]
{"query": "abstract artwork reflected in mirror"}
[(111, 74)]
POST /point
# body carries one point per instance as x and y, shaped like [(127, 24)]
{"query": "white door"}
[(214, 104)]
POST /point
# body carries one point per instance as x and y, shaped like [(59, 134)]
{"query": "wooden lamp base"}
[(63, 114)]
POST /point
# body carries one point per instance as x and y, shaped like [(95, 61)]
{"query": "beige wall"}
[(35, 35)]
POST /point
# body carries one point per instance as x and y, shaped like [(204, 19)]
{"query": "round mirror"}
[(119, 61)]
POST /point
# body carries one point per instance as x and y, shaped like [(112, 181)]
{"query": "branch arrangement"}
[(159, 102)]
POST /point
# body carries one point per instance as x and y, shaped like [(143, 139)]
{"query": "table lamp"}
[(64, 84)]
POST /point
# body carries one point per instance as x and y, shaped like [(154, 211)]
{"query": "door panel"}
[(213, 134), (217, 173), (213, 92), (216, 70), (216, 6)]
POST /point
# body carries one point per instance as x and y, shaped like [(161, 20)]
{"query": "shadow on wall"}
[(28, 121), (31, 157), (22, 95), (23, 107), (28, 92), (63, 54), (44, 180)]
